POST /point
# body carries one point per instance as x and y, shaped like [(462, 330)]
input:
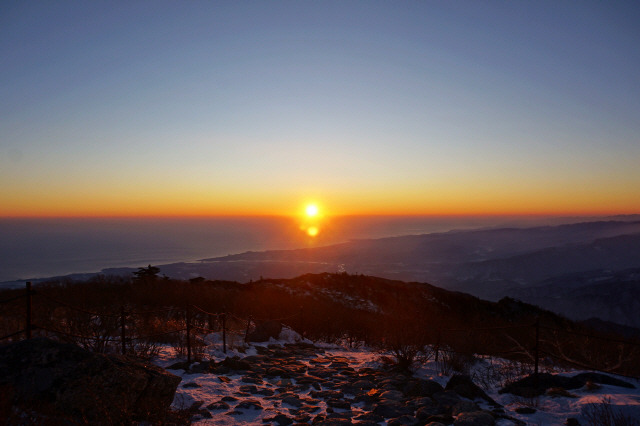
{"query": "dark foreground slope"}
[(389, 314)]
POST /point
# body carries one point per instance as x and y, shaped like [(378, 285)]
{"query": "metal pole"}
[(28, 325)]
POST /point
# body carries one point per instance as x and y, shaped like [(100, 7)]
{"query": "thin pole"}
[(246, 334), (188, 320), (224, 333), (28, 318), (537, 352), (123, 333)]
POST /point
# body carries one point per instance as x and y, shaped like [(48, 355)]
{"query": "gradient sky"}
[(197, 108)]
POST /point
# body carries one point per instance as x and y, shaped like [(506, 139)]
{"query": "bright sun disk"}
[(312, 210)]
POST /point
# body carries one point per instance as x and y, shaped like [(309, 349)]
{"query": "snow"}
[(211, 388)]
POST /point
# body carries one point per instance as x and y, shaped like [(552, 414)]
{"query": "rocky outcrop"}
[(309, 385), (61, 381)]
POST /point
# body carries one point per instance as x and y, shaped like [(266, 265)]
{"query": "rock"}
[(525, 410), (278, 372), (325, 394), (248, 389), (446, 398), (421, 402), (364, 384), (229, 398), (236, 364), (249, 404), (571, 421), (250, 379), (527, 388), (293, 401), (391, 409), (369, 417), (181, 365), (302, 418), (205, 414), (443, 419), (333, 422), (264, 331), (602, 379), (265, 392), (220, 405), (464, 386), (435, 424), (425, 413), (464, 407), (393, 395), (68, 381), (405, 420), (191, 385), (339, 403), (421, 387), (199, 368), (476, 418), (280, 419)]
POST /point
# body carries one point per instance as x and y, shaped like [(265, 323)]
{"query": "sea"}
[(32, 248)]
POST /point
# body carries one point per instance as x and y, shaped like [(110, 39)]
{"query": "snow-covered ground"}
[(229, 399)]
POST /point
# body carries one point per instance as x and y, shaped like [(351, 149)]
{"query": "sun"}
[(312, 210)]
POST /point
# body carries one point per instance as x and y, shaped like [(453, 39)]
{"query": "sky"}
[(170, 108)]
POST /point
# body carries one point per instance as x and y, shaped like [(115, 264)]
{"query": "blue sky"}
[(128, 108)]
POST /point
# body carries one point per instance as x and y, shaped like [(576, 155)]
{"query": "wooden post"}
[(224, 333), (28, 327), (188, 321), (123, 332), (537, 352)]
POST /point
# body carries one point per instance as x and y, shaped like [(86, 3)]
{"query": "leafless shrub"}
[(499, 373), (605, 414), (450, 361)]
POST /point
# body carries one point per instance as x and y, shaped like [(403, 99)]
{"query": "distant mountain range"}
[(581, 270)]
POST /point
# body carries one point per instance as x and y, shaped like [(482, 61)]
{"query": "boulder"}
[(264, 331), (530, 386), (65, 382), (464, 386), (603, 379)]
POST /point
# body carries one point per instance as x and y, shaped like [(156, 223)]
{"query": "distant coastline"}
[(32, 249)]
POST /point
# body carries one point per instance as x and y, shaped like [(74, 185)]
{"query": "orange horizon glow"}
[(247, 213), (331, 206)]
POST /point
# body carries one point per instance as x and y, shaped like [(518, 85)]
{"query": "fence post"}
[(224, 333), (188, 321), (123, 332), (28, 317), (537, 352)]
